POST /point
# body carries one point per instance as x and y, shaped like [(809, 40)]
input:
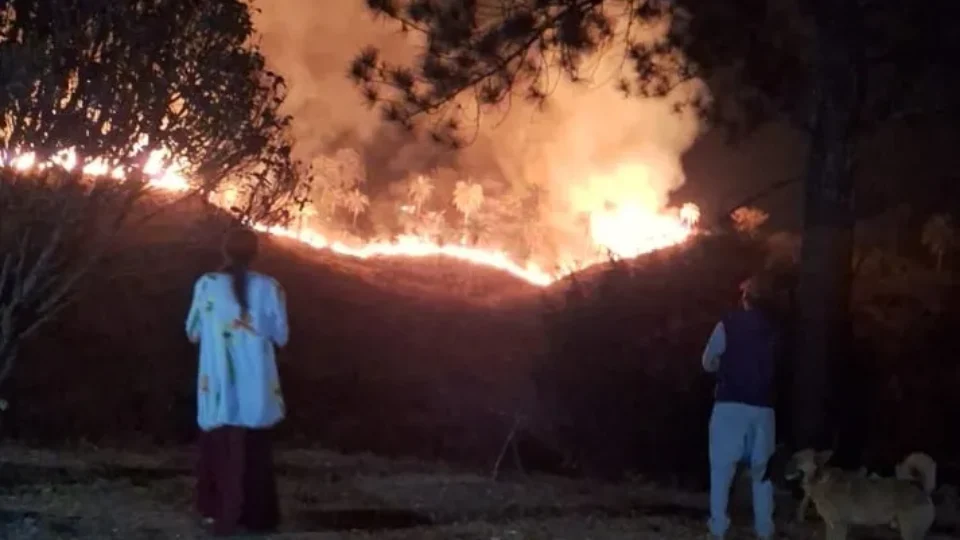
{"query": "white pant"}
[(741, 433)]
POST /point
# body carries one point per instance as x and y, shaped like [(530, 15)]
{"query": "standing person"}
[(237, 316), (742, 352)]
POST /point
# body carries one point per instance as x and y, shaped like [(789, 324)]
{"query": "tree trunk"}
[(823, 320)]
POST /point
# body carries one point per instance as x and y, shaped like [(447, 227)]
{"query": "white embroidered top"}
[(237, 382)]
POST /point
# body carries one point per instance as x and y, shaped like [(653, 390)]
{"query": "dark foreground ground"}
[(93, 493)]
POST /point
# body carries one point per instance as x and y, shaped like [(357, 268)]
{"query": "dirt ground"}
[(92, 493)]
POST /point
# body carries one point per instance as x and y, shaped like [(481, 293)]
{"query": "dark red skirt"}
[(236, 487)]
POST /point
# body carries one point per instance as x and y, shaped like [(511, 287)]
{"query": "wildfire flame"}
[(626, 230), (630, 230)]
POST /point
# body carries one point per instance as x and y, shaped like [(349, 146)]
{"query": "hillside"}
[(368, 336), (438, 359), (426, 357)]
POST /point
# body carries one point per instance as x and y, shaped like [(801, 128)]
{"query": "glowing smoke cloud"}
[(594, 149)]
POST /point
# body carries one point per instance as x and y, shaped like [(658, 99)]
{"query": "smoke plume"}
[(590, 147)]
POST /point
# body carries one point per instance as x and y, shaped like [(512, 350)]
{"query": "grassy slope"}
[(368, 337), (426, 357)]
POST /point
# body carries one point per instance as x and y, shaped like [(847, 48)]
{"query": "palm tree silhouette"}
[(355, 202), (419, 191), (468, 198), (433, 223)]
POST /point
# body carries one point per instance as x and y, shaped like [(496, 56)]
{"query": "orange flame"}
[(615, 230)]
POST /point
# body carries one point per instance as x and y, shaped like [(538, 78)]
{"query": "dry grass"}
[(93, 493), (371, 335), (107, 494)]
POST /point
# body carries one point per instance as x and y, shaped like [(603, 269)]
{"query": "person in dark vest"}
[(741, 352)]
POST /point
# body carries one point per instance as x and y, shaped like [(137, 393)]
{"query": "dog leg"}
[(835, 531), (802, 509), (917, 533)]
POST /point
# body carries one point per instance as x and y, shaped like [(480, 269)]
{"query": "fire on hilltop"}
[(621, 228)]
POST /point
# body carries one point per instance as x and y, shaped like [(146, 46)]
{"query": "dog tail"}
[(920, 468)]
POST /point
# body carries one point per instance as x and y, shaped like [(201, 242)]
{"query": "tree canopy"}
[(757, 56), (106, 76), (114, 81)]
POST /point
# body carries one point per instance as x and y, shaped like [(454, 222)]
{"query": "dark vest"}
[(746, 373)]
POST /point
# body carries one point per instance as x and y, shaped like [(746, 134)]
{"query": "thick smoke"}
[(311, 45), (573, 148)]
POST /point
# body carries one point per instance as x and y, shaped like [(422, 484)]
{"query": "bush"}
[(54, 227), (621, 385)]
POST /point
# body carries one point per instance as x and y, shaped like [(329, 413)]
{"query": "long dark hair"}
[(239, 250)]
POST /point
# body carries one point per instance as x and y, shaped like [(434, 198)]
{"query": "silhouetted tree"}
[(356, 202), (432, 225), (336, 176), (468, 197), (419, 191), (748, 219), (114, 81), (835, 68)]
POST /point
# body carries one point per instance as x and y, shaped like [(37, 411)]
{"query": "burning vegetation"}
[(616, 230), (553, 187), (589, 181)]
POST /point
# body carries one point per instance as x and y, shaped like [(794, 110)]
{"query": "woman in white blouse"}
[(237, 317)]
